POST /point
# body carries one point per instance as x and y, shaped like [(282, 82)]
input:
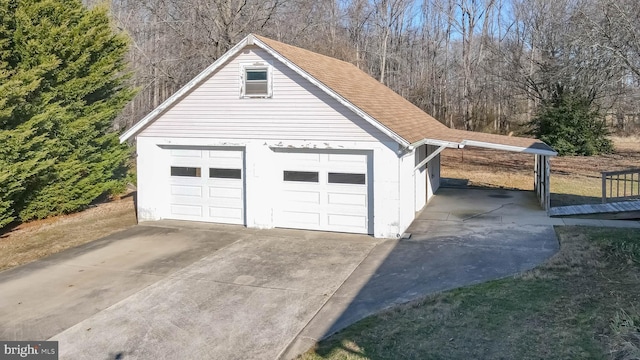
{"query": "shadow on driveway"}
[(463, 237)]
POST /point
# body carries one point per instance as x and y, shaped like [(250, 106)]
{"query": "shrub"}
[(569, 123), (62, 82)]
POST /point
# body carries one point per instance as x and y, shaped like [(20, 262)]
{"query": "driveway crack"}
[(486, 212)]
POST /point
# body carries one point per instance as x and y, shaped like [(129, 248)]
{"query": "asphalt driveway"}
[(200, 291)]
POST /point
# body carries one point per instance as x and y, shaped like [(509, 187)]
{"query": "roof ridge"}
[(262, 38)]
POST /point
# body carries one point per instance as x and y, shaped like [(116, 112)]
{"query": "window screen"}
[(305, 176), (256, 82), (185, 171), (347, 178), (225, 173)]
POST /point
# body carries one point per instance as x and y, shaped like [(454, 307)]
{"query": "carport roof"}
[(382, 107)]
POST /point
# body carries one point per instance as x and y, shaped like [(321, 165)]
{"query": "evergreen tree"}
[(569, 124), (62, 82)]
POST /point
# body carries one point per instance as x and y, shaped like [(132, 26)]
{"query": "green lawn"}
[(584, 303)]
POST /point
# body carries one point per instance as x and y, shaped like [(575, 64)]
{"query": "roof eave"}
[(496, 146), (436, 142), (487, 145)]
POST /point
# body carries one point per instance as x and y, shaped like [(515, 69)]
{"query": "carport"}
[(458, 139)]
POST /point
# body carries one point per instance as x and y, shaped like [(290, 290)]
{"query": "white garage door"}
[(324, 191), (207, 185)]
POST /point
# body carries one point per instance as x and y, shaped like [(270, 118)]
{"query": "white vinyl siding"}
[(296, 110)]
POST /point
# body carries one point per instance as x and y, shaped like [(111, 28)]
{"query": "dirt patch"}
[(38, 239)]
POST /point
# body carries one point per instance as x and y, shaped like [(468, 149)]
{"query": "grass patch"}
[(38, 239), (584, 303)]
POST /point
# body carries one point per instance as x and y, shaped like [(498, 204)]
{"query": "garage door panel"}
[(181, 200), (186, 210), (347, 221), (225, 202), (300, 161), (347, 210), (352, 159), (186, 190), (217, 193), (301, 157), (310, 197), (227, 163), (347, 163), (225, 214), (186, 153), (304, 220), (226, 154), (359, 200), (225, 183), (292, 207)]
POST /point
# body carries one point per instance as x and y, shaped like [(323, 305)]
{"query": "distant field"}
[(574, 179)]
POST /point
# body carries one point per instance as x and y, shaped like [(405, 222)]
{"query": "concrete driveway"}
[(200, 291), (41, 299), (174, 290)]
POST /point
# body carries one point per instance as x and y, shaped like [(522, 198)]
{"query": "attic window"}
[(256, 81)]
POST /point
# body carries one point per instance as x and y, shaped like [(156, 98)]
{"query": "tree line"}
[(485, 65)]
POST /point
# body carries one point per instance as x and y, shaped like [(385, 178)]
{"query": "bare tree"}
[(389, 17), (613, 27), (474, 64)]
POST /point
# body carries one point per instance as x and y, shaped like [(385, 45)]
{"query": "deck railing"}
[(620, 185)]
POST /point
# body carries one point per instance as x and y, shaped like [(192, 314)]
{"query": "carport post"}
[(547, 184), (541, 183), (536, 175)]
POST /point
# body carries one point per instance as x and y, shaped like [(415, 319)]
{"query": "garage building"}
[(272, 135)]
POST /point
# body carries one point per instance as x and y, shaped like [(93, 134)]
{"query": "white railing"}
[(620, 185)]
